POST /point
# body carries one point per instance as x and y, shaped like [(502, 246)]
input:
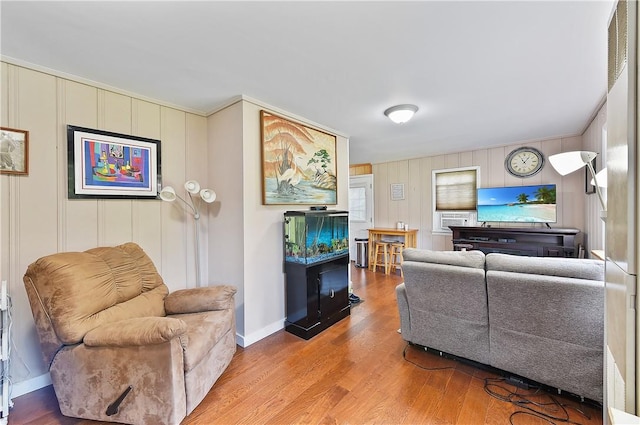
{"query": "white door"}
[(360, 209)]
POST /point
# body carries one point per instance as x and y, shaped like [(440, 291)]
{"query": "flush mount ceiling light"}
[(400, 114)]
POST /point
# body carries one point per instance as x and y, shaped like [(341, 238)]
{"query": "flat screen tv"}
[(518, 204)]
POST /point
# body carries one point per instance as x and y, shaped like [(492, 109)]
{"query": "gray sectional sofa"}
[(536, 317)]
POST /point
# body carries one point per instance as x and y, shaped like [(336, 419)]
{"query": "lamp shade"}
[(401, 113), (568, 162), (168, 194), (208, 195), (192, 186)]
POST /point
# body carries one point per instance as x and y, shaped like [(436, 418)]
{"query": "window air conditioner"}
[(454, 219)]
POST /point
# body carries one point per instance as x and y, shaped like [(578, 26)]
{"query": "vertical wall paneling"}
[(116, 213), (495, 175), (412, 191), (145, 214), (196, 158), (79, 107), (417, 176), (177, 220), (480, 158), (44, 105), (392, 206), (5, 250), (34, 206), (61, 160), (402, 177), (426, 214)]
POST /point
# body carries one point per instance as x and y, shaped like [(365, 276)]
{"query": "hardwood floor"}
[(352, 373)]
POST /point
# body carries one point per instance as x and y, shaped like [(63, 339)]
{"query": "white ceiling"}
[(482, 73)]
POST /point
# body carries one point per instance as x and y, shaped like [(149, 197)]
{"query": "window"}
[(454, 195), (357, 204), (455, 189)]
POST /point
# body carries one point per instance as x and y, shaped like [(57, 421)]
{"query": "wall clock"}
[(524, 162)]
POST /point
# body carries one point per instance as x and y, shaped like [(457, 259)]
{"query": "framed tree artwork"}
[(298, 163)]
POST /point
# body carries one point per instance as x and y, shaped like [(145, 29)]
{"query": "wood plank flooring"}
[(352, 373)]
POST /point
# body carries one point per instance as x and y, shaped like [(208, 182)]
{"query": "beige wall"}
[(416, 174), (246, 229), (38, 219), (242, 239)]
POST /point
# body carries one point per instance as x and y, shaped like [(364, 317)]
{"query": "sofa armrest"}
[(405, 313), (196, 300), (135, 332)]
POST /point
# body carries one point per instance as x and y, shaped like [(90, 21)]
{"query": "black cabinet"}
[(316, 254), (533, 242), (317, 296)]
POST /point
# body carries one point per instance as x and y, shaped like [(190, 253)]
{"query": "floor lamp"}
[(568, 162), (192, 187)]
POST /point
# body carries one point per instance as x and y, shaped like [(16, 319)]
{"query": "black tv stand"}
[(529, 241)]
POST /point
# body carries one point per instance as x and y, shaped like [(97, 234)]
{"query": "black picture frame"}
[(108, 165), (589, 189)]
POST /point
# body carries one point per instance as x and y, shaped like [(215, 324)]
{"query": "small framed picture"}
[(397, 191), (14, 151)]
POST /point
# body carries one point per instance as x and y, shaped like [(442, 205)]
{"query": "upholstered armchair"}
[(119, 347)]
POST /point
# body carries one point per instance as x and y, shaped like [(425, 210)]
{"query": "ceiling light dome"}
[(400, 114)]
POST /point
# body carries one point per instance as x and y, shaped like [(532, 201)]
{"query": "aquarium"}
[(315, 236)]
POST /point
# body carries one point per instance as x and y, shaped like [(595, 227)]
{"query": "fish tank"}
[(315, 236)]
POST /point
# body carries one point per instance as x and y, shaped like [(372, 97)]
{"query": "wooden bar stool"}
[(395, 257), (381, 256)]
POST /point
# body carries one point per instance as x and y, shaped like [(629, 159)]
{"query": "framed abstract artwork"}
[(14, 151), (298, 163), (102, 164)]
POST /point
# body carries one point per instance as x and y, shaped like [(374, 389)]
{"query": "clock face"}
[(524, 162)]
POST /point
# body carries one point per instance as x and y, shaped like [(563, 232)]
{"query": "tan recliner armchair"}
[(119, 347)]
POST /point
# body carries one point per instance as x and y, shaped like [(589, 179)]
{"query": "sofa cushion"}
[(549, 266), (473, 259), (546, 326), (446, 299), (204, 331)]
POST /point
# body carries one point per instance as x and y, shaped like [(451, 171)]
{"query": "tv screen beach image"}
[(531, 204)]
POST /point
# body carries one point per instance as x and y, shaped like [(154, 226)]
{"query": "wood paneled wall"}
[(38, 219), (359, 169), (416, 174)]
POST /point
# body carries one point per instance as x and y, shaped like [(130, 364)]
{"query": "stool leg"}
[(386, 260), (392, 253), (374, 259), (396, 259)]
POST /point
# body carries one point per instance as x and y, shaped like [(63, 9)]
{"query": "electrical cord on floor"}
[(551, 412), (404, 355)]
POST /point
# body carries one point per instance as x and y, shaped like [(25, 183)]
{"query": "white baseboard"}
[(29, 385), (246, 340)]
